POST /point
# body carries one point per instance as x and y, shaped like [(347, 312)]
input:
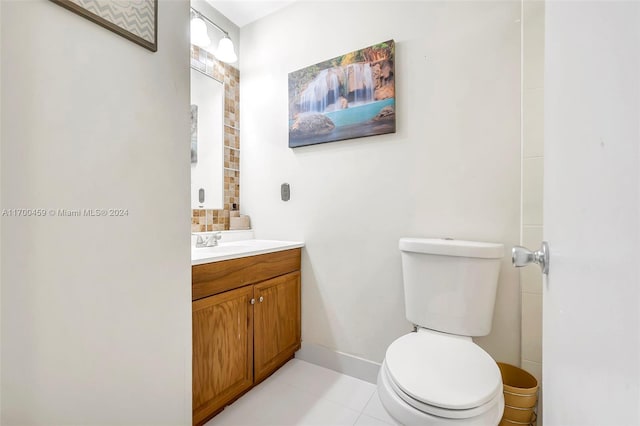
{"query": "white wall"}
[(96, 312), (452, 168)]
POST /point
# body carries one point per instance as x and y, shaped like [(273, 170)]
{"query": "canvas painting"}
[(351, 96)]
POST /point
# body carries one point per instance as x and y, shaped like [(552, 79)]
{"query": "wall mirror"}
[(207, 135)]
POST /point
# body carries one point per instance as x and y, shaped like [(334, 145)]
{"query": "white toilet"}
[(437, 375)]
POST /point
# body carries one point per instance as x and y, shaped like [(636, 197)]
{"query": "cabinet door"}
[(222, 350), (277, 322)]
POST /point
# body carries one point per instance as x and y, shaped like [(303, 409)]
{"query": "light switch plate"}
[(285, 192)]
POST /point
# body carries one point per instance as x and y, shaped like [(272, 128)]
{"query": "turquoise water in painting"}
[(359, 113), (353, 122)]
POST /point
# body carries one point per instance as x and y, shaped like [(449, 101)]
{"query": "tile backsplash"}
[(218, 220)]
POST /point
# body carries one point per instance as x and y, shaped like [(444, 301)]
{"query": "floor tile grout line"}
[(373, 416), (360, 387), (300, 388), (316, 396), (322, 398), (368, 401), (297, 386)]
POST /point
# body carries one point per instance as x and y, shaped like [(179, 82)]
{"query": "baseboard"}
[(350, 365)]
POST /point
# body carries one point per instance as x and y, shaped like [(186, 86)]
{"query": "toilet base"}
[(407, 415)]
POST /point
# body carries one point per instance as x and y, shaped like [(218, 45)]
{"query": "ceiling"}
[(243, 12)]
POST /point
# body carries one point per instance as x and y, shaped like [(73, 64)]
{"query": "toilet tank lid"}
[(451, 247)]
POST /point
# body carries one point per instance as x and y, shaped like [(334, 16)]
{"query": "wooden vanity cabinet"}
[(246, 324), (222, 349), (276, 323)]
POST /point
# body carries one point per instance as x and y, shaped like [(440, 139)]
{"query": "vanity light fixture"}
[(226, 52), (200, 37)]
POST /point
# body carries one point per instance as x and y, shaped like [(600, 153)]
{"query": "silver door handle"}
[(522, 256)]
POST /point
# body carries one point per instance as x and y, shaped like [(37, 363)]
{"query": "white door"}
[(591, 327)]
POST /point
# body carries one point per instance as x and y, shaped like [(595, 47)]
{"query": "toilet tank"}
[(450, 285)]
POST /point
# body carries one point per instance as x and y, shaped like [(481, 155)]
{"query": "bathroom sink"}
[(237, 249), (220, 248)]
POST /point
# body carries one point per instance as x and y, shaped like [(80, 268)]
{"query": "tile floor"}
[(305, 394)]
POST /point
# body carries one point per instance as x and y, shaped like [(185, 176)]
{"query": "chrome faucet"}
[(207, 239)]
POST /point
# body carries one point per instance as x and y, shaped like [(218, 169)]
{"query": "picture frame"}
[(114, 16), (347, 97)]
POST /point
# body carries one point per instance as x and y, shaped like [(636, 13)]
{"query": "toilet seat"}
[(407, 415), (438, 411), (441, 374)]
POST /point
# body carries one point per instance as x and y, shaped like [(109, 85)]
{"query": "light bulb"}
[(226, 52), (199, 35)]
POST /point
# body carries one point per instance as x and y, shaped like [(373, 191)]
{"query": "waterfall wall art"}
[(347, 97)]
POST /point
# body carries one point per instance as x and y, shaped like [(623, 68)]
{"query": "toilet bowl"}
[(437, 375), (430, 378)]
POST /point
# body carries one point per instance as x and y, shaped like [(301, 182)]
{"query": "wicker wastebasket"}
[(520, 396)]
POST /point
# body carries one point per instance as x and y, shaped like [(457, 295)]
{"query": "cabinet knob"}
[(261, 299), (252, 301)]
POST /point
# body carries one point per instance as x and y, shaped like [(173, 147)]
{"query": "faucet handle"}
[(206, 239), (199, 239)]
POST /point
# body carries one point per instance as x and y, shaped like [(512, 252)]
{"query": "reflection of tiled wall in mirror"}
[(218, 220)]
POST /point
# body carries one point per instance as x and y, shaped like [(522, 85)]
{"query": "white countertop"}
[(237, 249)]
